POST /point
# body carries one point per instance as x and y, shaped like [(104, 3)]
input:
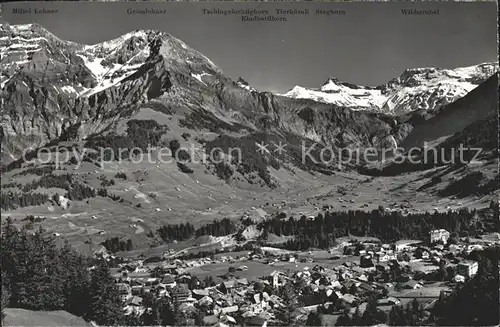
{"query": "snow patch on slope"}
[(109, 76), (94, 65), (199, 76), (108, 79), (21, 27), (115, 43), (247, 87), (4, 81)]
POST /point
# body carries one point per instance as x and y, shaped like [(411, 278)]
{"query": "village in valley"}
[(265, 285)]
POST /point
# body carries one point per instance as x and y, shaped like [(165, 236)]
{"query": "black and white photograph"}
[(249, 163)]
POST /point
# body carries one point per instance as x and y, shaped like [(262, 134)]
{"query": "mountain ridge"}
[(83, 90), (453, 118), (89, 88), (426, 88)]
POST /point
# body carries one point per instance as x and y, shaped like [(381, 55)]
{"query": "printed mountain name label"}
[(292, 12), (330, 12), (217, 11), (131, 11), (420, 12), (29, 11)]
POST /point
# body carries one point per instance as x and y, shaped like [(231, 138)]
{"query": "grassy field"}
[(422, 266), (330, 320), (428, 291), (21, 317)]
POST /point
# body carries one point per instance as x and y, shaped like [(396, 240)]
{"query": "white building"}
[(467, 268), (406, 245), (440, 236), (387, 257)]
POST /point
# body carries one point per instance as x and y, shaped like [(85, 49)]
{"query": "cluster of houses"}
[(421, 258), (391, 272)]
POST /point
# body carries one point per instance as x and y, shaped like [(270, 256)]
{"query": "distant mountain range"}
[(415, 89)]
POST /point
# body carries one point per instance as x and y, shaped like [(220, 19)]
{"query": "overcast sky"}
[(370, 44)]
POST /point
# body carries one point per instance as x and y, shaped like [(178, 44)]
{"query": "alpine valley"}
[(282, 201)]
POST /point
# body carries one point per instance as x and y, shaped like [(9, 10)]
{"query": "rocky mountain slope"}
[(53, 89), (470, 124), (416, 89), (51, 86)]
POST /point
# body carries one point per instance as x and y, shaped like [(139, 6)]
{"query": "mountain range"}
[(416, 89), (52, 88)]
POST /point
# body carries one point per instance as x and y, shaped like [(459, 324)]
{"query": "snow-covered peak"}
[(334, 84), (417, 88), (173, 51), (21, 27), (330, 85), (358, 98), (33, 32), (431, 88), (244, 85), (103, 64), (297, 92), (115, 43), (19, 44), (473, 74)]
